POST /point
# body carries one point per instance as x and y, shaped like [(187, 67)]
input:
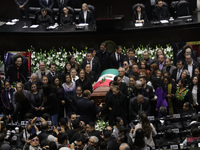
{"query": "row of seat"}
[(177, 9), (74, 12)]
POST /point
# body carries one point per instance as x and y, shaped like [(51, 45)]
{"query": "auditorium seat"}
[(179, 55), (184, 9), (135, 6), (92, 9)]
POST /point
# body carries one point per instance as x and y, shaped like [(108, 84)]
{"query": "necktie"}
[(119, 60), (18, 72), (53, 74), (178, 75)]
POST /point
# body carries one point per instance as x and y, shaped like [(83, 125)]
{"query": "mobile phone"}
[(52, 127), (38, 119), (132, 125)]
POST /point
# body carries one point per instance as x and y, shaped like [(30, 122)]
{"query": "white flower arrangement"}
[(101, 125), (60, 56)]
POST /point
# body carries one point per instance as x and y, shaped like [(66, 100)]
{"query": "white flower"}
[(48, 63), (57, 63), (37, 65)]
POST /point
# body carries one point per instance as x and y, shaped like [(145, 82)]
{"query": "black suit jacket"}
[(104, 59), (195, 65), (118, 105), (161, 13), (24, 3), (27, 85), (10, 61), (62, 5), (43, 4), (134, 108), (87, 110), (143, 17), (174, 74), (96, 66), (89, 18), (114, 63), (51, 78), (12, 74)]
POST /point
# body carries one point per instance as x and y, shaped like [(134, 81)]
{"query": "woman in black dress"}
[(66, 18), (35, 100), (83, 81)]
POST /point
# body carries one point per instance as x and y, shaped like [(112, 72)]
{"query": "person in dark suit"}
[(46, 3), (22, 8), (176, 74), (44, 18), (116, 59), (83, 81), (161, 62), (103, 54), (117, 105), (190, 65), (131, 57), (139, 14), (34, 79), (147, 59), (17, 72), (10, 60), (94, 63), (86, 108), (86, 16), (62, 4), (134, 71), (35, 98), (90, 129), (53, 73), (138, 104), (65, 17), (50, 104), (90, 74), (160, 12), (122, 86)]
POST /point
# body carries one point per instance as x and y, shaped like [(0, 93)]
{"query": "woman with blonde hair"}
[(85, 16)]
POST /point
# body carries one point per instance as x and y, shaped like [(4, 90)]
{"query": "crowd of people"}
[(142, 88), (140, 13)]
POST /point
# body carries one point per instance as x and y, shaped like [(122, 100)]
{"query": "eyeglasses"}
[(35, 140), (124, 64)]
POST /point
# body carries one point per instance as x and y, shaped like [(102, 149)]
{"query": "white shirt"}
[(194, 93), (85, 16), (179, 72), (76, 78), (117, 56), (190, 68), (139, 16), (90, 62)]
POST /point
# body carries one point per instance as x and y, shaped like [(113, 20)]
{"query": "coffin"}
[(102, 85)]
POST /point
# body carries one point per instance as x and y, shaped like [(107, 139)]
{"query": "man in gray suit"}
[(124, 78), (23, 8), (42, 71)]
